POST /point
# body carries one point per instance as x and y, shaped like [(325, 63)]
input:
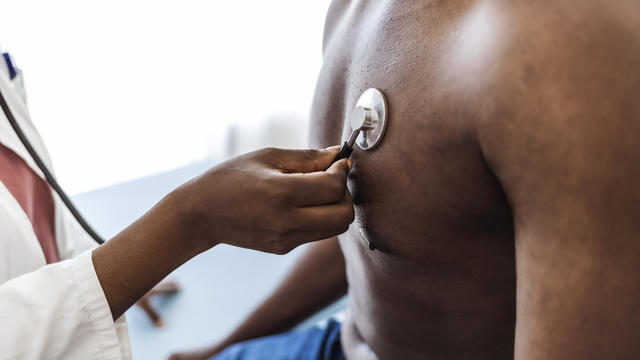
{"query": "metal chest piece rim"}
[(375, 104)]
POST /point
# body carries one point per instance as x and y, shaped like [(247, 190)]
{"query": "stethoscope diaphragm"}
[(373, 104)]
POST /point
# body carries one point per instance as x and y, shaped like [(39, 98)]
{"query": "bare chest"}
[(425, 187)]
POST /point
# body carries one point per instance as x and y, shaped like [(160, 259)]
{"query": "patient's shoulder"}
[(569, 33), (562, 79), (556, 57)]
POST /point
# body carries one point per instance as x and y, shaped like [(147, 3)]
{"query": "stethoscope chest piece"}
[(371, 108)]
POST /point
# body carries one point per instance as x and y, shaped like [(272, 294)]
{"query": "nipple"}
[(372, 246), (374, 240)]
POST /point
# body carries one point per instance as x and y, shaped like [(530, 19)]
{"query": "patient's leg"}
[(317, 280), (317, 343)]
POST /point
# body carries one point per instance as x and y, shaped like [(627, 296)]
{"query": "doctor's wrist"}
[(188, 220), (140, 256), (270, 200)]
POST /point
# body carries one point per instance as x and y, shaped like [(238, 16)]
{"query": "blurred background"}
[(135, 97), (124, 89)]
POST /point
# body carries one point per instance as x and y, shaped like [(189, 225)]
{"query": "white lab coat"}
[(55, 311)]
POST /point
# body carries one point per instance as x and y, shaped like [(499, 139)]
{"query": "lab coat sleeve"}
[(60, 312)]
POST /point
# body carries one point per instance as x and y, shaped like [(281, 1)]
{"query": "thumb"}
[(340, 168), (305, 161)]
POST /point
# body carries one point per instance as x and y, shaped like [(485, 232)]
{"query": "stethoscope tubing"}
[(47, 174)]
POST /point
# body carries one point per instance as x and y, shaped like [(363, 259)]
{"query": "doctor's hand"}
[(271, 200)]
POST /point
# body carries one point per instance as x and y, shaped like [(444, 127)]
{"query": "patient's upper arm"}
[(563, 139)]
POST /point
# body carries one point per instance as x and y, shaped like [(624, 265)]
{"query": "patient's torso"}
[(441, 283)]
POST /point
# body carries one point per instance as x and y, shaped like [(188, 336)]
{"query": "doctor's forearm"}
[(139, 257), (271, 200)]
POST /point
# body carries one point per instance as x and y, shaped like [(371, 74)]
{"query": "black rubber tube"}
[(344, 153), (47, 174)]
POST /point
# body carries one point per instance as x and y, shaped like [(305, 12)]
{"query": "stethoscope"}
[(47, 174), (368, 121)]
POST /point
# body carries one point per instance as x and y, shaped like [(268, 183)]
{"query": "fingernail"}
[(349, 163), (159, 323), (334, 147)]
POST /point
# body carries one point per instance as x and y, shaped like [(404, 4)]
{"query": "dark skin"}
[(271, 200), (506, 189)]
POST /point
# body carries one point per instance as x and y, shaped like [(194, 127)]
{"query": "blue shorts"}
[(317, 343)]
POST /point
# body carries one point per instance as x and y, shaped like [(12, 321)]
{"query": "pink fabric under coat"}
[(34, 196)]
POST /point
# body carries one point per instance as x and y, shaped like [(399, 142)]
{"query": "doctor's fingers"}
[(301, 238), (320, 188), (316, 224), (298, 161), (334, 219)]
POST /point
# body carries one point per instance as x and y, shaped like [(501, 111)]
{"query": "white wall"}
[(121, 89)]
